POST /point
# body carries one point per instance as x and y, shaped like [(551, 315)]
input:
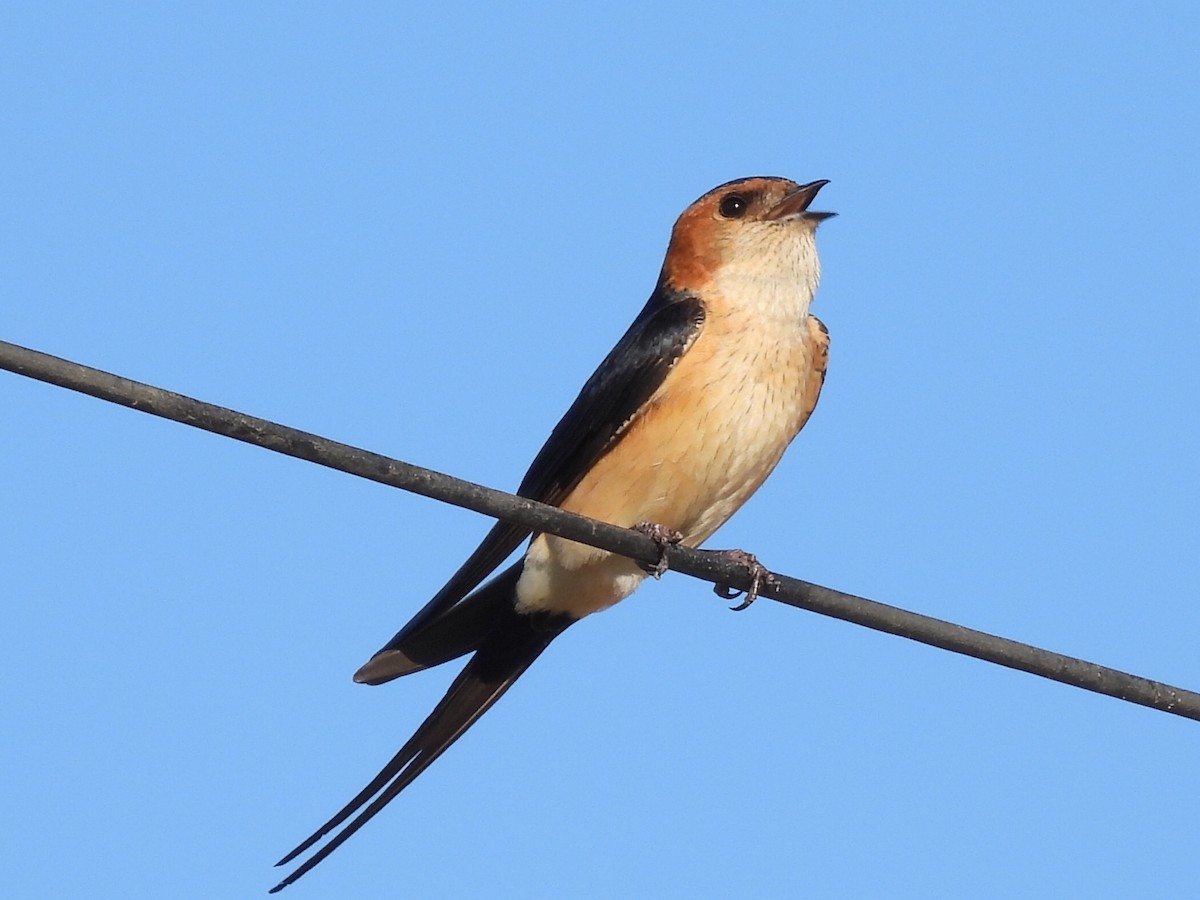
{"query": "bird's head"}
[(752, 234)]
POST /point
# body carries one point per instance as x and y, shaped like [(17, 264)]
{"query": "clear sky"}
[(418, 229)]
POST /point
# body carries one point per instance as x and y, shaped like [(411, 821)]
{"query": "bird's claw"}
[(663, 537), (759, 576)]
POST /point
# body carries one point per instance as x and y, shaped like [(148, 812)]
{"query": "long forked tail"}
[(502, 658)]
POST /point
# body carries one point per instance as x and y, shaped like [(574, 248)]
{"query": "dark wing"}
[(487, 622), (630, 374), (614, 395)]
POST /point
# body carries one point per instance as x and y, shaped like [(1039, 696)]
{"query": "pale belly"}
[(706, 442)]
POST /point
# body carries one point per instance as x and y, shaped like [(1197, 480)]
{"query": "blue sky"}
[(419, 231)]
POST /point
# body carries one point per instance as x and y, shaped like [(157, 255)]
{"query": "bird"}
[(681, 422)]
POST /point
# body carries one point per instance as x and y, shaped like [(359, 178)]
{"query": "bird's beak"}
[(796, 203)]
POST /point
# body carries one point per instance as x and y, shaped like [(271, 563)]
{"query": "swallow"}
[(682, 422)]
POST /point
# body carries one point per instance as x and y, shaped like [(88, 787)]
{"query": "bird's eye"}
[(734, 206)]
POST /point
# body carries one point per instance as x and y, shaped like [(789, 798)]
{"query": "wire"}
[(709, 566)]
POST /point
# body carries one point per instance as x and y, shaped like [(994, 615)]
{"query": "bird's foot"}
[(759, 576), (663, 537)]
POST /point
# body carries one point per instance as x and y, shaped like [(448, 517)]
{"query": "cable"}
[(539, 517)]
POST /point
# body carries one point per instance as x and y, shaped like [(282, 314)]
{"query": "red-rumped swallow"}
[(679, 425)]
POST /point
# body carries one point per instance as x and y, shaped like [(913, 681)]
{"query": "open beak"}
[(796, 204)]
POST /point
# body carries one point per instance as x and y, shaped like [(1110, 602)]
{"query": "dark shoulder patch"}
[(615, 394)]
